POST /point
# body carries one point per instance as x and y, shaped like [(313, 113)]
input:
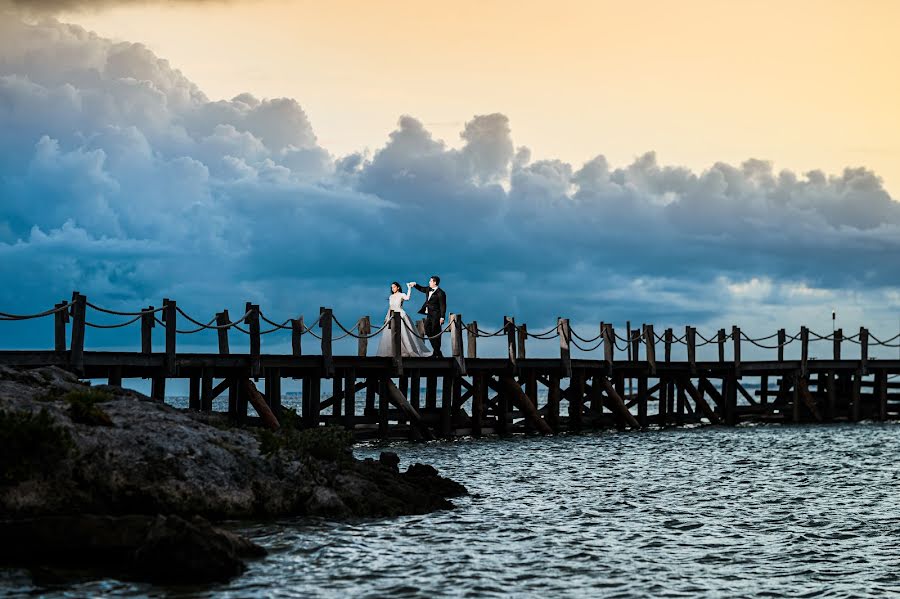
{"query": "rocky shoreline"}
[(108, 478)]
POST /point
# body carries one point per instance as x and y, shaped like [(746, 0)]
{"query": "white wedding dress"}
[(411, 346)]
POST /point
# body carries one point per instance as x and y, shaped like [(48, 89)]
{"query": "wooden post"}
[(222, 320), (721, 342), (431, 392), (502, 411), (679, 405), (863, 349), (628, 340), (635, 346), (148, 321), (509, 323), (337, 394), (169, 316), (782, 341), (158, 387), (642, 397), (729, 393), (233, 397), (804, 349), (662, 408), (115, 376), (650, 342), (565, 337), (528, 409), (371, 391), (856, 400), (206, 388), (396, 397), (456, 327), (553, 394), (472, 338), (255, 340), (76, 351), (576, 399), (363, 328), (252, 396), (60, 319), (397, 342), (670, 338), (414, 395), (325, 325), (838, 338), (297, 336), (382, 408), (522, 337), (690, 334), (618, 404), (273, 389), (193, 393), (446, 405), (736, 341), (764, 389), (881, 393), (831, 393), (609, 345), (478, 397)]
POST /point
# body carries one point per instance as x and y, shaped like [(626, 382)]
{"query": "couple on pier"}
[(434, 309)]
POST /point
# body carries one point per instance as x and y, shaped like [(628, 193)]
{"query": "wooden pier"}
[(634, 385)]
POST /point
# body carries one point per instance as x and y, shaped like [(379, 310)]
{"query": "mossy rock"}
[(324, 442), (30, 445)]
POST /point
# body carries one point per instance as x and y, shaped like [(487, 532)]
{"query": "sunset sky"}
[(704, 163)]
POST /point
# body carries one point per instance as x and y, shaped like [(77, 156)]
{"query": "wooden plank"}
[(222, 319), (60, 319), (169, 317), (395, 397), (528, 409), (76, 349), (618, 403)]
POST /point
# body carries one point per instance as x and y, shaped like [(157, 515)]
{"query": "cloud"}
[(120, 178)]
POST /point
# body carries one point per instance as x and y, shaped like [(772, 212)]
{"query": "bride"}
[(411, 346)]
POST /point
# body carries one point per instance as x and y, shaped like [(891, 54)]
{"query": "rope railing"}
[(590, 343)]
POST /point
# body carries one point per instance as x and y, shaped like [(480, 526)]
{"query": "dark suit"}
[(434, 309)]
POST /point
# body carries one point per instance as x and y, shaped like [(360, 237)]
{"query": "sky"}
[(698, 163)]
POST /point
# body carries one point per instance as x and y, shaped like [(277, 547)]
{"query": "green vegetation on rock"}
[(324, 442), (30, 444)]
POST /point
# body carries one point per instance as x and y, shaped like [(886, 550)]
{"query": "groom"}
[(434, 309)]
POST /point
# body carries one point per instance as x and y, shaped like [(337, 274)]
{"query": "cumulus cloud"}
[(120, 178)]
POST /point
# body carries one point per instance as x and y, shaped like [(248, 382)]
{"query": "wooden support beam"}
[(297, 336), (479, 398), (642, 398), (881, 393), (803, 385), (431, 392), (662, 415), (383, 428), (363, 328), (206, 391), (222, 320), (115, 376), (396, 328), (337, 391), (729, 391), (501, 409), (472, 339), (255, 339), (746, 394), (736, 345), (232, 397), (194, 393), (669, 339), (446, 406), (325, 323), (148, 321), (609, 345), (863, 349), (576, 399), (553, 395), (831, 393), (681, 403), (509, 325), (273, 389), (720, 340), (395, 397), (686, 384), (804, 351), (76, 349), (521, 338), (60, 319), (855, 399), (528, 409), (764, 389), (618, 404), (690, 337), (650, 344), (565, 340), (158, 387), (256, 399), (635, 345), (782, 341), (456, 342), (169, 317), (704, 386), (838, 338)]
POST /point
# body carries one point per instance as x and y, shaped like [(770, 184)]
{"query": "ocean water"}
[(752, 511)]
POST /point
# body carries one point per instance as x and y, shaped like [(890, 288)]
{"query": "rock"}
[(390, 459), (149, 548), (326, 502), (426, 476)]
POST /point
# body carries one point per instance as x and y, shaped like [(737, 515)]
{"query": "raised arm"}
[(405, 296), (421, 288)]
